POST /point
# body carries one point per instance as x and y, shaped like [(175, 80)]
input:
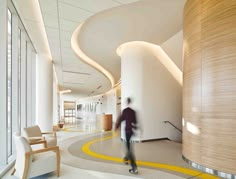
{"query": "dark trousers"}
[(130, 154)]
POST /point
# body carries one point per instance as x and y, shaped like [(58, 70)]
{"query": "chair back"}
[(33, 131), (22, 146)]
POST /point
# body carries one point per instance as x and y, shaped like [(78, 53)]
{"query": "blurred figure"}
[(129, 116)]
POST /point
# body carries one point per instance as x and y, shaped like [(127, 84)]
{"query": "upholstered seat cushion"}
[(40, 162)]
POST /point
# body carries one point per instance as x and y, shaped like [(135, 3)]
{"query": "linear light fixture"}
[(76, 72), (65, 91), (99, 87), (54, 71)]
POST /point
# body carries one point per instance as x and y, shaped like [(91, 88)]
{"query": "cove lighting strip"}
[(65, 91), (77, 50), (42, 27), (160, 54)]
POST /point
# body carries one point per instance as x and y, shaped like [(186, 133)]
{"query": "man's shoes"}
[(133, 171), (126, 161)]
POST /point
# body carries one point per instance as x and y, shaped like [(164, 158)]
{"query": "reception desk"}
[(104, 121)]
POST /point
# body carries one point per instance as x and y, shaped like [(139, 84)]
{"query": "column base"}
[(209, 170)]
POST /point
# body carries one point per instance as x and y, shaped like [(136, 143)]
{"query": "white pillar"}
[(156, 94), (3, 80), (55, 99), (132, 81), (44, 93)]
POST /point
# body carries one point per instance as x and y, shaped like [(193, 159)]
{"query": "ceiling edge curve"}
[(79, 53)]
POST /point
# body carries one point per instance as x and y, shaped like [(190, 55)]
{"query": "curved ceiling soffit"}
[(84, 57), (129, 31), (160, 54), (79, 52)]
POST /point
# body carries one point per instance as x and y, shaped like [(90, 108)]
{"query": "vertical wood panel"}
[(216, 121), (192, 79)]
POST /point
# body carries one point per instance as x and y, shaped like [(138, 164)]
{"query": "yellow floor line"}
[(86, 149), (67, 129)]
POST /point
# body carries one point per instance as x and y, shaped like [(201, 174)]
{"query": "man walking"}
[(129, 116)]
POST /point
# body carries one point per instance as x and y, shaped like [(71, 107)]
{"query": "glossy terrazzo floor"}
[(77, 164)]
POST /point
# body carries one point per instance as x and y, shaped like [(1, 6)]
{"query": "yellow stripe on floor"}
[(86, 149), (69, 129)]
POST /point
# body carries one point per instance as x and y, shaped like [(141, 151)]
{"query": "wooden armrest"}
[(35, 137), (56, 149), (39, 142), (32, 139), (54, 133)]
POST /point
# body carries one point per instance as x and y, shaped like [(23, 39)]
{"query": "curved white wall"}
[(105, 103), (44, 93), (156, 92)]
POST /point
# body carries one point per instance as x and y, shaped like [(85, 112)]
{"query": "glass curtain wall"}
[(15, 54)]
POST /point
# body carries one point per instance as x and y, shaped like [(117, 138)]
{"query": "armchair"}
[(33, 134), (33, 163)]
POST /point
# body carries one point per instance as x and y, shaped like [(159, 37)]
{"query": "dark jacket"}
[(129, 116)]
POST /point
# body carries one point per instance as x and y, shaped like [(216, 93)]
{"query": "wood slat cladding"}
[(192, 78), (209, 88)]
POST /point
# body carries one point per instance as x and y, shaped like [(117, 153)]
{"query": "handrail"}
[(173, 125)]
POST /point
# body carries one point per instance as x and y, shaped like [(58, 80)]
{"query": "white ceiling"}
[(153, 21), (61, 18), (108, 23)]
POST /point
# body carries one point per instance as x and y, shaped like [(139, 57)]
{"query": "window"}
[(15, 80), (69, 112), (19, 80), (9, 84)]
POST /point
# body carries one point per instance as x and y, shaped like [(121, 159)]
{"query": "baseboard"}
[(152, 140), (149, 140)]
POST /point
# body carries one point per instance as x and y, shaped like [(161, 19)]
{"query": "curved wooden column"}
[(209, 88)]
